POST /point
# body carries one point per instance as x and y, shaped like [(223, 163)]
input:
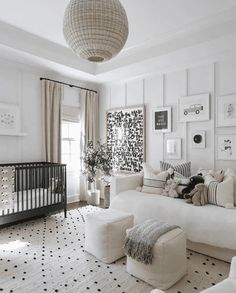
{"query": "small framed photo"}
[(226, 147), (173, 149), (226, 111), (162, 119), (199, 139), (9, 119), (194, 108)]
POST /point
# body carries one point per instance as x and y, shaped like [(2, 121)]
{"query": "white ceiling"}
[(152, 23)]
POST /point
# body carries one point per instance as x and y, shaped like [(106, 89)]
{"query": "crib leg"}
[(65, 212)]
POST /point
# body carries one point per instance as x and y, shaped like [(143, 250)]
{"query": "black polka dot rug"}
[(47, 255)]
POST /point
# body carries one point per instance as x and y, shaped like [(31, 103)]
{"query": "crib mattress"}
[(30, 199)]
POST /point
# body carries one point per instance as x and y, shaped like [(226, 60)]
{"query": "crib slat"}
[(39, 185), (35, 197), (48, 178), (17, 188), (27, 187), (52, 185), (56, 184), (31, 187), (44, 184)]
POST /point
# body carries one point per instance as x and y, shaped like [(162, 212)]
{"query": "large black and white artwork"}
[(126, 138)]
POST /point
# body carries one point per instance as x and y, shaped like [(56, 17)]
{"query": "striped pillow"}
[(220, 194), (177, 175), (152, 182), (184, 169)]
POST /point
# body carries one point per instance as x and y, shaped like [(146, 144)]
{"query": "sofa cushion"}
[(231, 173), (184, 169), (152, 182), (221, 194), (208, 224)]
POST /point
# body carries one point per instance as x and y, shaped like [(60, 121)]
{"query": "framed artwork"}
[(173, 148), (162, 119), (226, 111), (194, 108), (9, 119), (226, 147), (126, 138), (198, 139)]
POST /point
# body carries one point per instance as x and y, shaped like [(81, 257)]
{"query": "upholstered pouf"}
[(105, 233), (169, 263)]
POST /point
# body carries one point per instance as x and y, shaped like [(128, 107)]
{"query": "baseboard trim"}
[(73, 198), (216, 252)]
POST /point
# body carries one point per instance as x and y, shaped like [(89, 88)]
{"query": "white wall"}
[(218, 78), (20, 85)]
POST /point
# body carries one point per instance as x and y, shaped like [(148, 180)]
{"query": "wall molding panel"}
[(157, 90)]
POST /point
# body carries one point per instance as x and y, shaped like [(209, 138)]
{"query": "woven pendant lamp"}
[(96, 30)]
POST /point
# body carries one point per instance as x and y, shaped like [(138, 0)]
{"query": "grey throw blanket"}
[(141, 239)]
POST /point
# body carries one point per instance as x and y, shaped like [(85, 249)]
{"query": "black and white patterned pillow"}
[(183, 169)]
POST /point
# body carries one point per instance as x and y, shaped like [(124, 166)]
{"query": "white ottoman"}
[(169, 263), (105, 233)]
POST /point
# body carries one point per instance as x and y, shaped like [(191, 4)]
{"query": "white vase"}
[(106, 196), (93, 197)]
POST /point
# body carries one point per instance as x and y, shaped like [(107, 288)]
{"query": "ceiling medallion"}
[(96, 30)]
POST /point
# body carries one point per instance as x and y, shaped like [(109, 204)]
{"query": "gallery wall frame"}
[(162, 120), (226, 147), (226, 111), (198, 139), (194, 108), (125, 137), (10, 123), (173, 148)]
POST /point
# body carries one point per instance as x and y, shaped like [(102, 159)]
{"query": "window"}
[(71, 145)]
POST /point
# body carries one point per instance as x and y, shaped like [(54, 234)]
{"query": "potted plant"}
[(105, 167), (97, 165)]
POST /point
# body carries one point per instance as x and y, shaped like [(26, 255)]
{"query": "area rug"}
[(47, 255)]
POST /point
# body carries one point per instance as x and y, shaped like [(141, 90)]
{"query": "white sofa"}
[(209, 229)]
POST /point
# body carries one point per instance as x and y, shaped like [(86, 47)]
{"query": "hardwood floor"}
[(79, 204)]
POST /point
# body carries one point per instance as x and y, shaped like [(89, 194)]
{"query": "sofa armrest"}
[(122, 183), (232, 273)]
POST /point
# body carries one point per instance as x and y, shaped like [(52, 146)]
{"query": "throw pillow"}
[(184, 169), (154, 182), (220, 194), (179, 176)]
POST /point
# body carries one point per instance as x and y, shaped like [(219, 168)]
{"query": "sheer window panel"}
[(71, 155)]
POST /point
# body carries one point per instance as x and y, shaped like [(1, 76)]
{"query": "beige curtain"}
[(52, 96), (89, 127)]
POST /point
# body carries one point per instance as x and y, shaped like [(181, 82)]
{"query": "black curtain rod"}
[(70, 85)]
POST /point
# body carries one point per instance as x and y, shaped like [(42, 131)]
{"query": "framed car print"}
[(194, 108)]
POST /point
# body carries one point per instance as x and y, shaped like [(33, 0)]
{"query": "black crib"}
[(40, 188)]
